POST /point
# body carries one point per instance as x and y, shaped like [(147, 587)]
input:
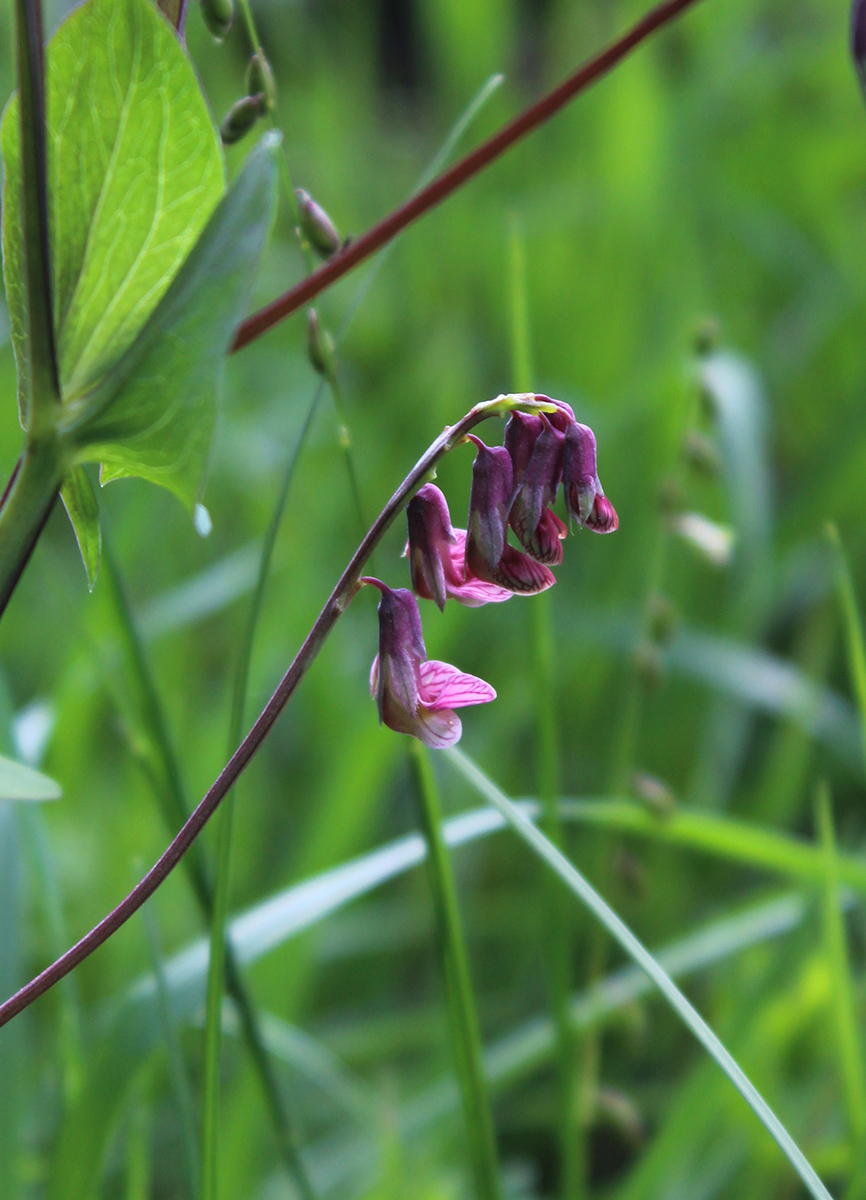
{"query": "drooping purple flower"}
[(489, 557), (437, 555), (585, 500), (536, 484), (416, 695)]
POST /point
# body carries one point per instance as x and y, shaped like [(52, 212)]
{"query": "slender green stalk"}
[(171, 795), (620, 932), (572, 1156), (27, 508), (463, 1018), (844, 1007), (854, 641), (44, 380)]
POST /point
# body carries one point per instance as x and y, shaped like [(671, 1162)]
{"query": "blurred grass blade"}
[(312, 1059), (177, 1067), (460, 997), (203, 595), (43, 869), (844, 1005), (855, 646), (722, 837), (569, 874), (529, 1048), (18, 782)]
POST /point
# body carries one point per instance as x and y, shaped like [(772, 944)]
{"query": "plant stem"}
[(44, 383), (26, 510), (462, 1014), (533, 116), (335, 606)]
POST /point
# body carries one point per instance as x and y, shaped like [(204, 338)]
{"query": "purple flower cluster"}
[(513, 487)]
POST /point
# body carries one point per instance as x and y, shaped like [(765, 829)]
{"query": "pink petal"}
[(603, 518), (438, 730), (442, 686), (463, 586)]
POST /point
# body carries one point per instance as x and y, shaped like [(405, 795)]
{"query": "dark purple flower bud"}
[(415, 695), (437, 555), (490, 500), (580, 472), (858, 39), (430, 540), (562, 417), (538, 486), (521, 434)]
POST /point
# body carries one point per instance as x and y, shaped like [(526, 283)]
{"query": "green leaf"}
[(82, 507), (154, 413), (18, 782), (135, 170)]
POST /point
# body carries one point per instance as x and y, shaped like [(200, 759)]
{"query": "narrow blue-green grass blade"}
[(42, 867), (315, 1062), (848, 1038), (338, 1162), (205, 594), (626, 939), (18, 782), (855, 646), (176, 1064), (762, 680)]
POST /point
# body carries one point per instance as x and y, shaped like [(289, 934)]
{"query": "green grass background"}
[(721, 172)]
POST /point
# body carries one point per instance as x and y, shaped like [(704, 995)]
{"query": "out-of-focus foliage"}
[(719, 174)]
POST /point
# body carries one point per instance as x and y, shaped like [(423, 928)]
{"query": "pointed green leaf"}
[(154, 413), (18, 782), (82, 507), (135, 169)]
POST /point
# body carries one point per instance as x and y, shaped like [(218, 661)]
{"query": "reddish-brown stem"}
[(328, 617), (260, 322)]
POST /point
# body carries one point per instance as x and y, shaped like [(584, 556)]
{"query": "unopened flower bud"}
[(320, 344), (649, 666), (260, 80), (489, 556), (318, 228), (218, 16), (661, 619), (701, 453), (240, 119), (654, 793), (712, 541), (705, 338)]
